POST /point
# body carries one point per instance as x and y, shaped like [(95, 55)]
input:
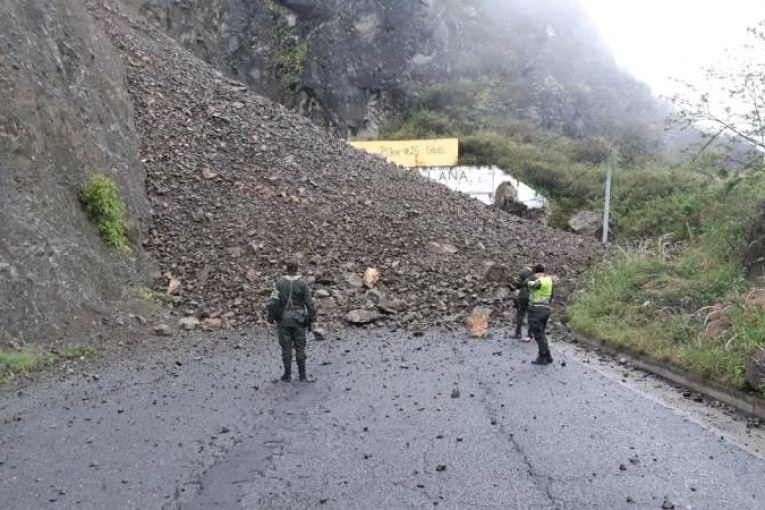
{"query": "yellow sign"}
[(415, 153)]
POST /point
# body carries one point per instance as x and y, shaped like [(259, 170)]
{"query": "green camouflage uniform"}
[(540, 308), (292, 297), (522, 300)]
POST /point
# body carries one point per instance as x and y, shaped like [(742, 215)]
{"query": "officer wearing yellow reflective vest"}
[(540, 307)]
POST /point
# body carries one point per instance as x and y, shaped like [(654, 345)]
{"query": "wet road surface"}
[(394, 421)]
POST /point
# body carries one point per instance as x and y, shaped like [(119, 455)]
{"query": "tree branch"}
[(710, 142)]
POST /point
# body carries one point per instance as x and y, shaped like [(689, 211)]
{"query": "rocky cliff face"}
[(340, 63), (355, 65), (65, 115)]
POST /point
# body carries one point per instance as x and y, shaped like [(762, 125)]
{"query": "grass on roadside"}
[(14, 364), (685, 305), (28, 360), (658, 307)]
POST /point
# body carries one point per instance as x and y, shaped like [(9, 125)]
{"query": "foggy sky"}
[(656, 39)]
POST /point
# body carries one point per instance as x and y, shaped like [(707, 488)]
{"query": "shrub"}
[(28, 360), (104, 207), (422, 124)]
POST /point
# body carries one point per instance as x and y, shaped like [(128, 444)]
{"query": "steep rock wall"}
[(340, 63), (65, 115), (358, 65)]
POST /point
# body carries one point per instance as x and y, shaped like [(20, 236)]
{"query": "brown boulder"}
[(371, 277), (361, 317), (319, 334), (162, 330), (207, 173), (440, 248), (586, 223), (174, 284), (212, 323), (392, 306), (496, 273), (352, 281), (478, 322)]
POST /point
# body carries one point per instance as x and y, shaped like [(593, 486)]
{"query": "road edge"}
[(746, 403)]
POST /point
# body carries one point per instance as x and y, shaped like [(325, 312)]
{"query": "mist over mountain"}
[(360, 66)]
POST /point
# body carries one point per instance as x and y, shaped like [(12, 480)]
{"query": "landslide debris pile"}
[(239, 184)]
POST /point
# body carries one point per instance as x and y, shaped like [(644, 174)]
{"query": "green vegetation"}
[(13, 364), (568, 171), (684, 297), (77, 351), (288, 50), (288, 60), (150, 296), (28, 360), (683, 302), (102, 203)]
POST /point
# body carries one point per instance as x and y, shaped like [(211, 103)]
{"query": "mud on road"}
[(394, 421)]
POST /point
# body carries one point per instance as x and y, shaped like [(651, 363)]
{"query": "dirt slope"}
[(239, 184)]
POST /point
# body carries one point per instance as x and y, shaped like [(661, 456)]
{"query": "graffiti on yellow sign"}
[(415, 153)]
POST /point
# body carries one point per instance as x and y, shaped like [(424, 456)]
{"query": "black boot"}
[(287, 377), (541, 360), (301, 371), (549, 358)]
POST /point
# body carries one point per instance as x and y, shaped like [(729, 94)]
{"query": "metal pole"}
[(607, 208)]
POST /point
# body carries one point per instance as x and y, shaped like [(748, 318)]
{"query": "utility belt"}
[(545, 303)]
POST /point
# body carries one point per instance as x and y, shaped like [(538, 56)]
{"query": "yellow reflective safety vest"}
[(541, 290)]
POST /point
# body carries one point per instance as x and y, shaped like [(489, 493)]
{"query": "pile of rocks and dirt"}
[(238, 185)]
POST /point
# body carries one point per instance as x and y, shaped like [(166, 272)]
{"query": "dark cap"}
[(293, 266), (539, 268)]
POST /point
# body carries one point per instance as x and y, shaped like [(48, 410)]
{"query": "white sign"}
[(481, 182)]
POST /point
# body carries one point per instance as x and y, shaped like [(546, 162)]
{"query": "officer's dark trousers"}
[(292, 337), (538, 317), (523, 306)]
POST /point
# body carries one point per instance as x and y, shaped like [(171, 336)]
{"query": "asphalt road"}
[(204, 427)]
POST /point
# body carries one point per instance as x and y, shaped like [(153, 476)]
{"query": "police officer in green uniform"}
[(522, 302), (540, 302), (292, 308)]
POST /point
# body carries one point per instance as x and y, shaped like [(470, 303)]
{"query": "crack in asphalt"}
[(543, 482)]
